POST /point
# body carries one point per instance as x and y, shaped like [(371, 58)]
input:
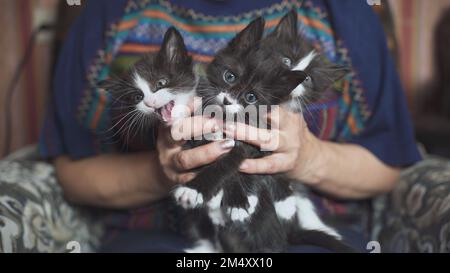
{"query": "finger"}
[(185, 177), (280, 118), (199, 156), (172, 176), (180, 178), (165, 140), (192, 127), (275, 163), (268, 140), (283, 119)]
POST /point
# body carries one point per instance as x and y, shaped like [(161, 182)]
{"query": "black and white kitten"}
[(298, 54), (239, 212), (294, 51), (154, 90)]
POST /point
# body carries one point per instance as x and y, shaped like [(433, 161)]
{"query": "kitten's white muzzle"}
[(230, 104)]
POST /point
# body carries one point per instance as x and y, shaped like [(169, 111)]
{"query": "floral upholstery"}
[(416, 216), (34, 217)]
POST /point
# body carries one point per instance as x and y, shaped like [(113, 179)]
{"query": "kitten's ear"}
[(325, 74), (287, 27), (249, 36), (173, 49), (292, 79)]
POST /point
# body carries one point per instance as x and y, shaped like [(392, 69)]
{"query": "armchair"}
[(35, 217)]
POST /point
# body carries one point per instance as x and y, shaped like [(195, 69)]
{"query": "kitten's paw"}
[(203, 246), (216, 200), (286, 208), (242, 214), (187, 197)]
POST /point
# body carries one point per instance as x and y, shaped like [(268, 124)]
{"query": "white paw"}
[(238, 214), (286, 208), (241, 214), (202, 246), (188, 198), (214, 210), (216, 216), (216, 200), (310, 220)]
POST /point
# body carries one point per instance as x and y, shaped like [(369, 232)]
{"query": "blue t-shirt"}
[(366, 108)]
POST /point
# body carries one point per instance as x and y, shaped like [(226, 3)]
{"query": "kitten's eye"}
[(229, 77), (138, 97), (308, 79), (286, 61), (250, 98), (161, 83)]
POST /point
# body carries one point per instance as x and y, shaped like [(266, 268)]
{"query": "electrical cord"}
[(13, 85)]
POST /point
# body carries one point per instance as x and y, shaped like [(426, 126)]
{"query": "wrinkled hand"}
[(177, 163), (293, 146)]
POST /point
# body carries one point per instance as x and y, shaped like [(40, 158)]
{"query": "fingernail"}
[(243, 166), (227, 144)]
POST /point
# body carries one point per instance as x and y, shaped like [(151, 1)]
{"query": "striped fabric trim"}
[(205, 35)]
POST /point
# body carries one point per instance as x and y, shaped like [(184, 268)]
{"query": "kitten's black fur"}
[(220, 191)]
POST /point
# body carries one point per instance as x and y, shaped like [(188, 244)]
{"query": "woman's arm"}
[(133, 180), (343, 170), (112, 180)]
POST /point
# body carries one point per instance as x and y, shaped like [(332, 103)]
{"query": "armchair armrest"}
[(34, 216), (416, 217)]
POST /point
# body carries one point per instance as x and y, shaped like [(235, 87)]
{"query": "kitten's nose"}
[(226, 101), (150, 103)]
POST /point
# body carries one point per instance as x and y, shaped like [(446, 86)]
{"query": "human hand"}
[(294, 148), (177, 163)]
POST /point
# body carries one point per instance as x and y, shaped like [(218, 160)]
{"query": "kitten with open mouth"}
[(156, 89)]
